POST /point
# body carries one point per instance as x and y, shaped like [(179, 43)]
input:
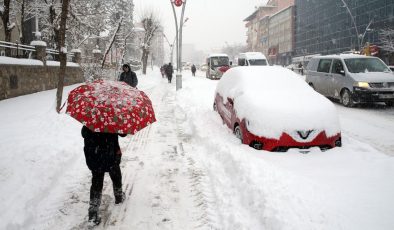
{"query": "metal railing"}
[(16, 50)]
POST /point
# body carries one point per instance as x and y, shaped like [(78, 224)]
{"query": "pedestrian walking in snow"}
[(102, 153), (162, 70), (301, 68), (169, 71), (194, 70), (128, 76)]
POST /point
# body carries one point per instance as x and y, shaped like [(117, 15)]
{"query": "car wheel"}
[(346, 98), (215, 108), (238, 133), (389, 103), (311, 85)]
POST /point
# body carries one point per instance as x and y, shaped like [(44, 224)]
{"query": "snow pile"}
[(56, 63), (38, 43), (274, 99), (344, 188), (19, 61), (76, 51)]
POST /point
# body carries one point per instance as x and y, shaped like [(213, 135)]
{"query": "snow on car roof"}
[(253, 55), (274, 99), (218, 55), (346, 56)]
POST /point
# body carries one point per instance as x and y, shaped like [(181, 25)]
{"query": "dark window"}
[(337, 66), (324, 65), (13, 82)]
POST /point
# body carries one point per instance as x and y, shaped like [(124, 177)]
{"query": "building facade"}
[(271, 31), (329, 27), (281, 37)]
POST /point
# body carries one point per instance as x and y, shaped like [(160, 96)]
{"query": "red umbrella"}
[(110, 107)]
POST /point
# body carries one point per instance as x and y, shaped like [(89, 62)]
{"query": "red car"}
[(272, 108)]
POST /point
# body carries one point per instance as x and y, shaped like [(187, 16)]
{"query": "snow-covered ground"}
[(188, 171)]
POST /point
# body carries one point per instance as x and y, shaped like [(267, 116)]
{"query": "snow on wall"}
[(38, 43)]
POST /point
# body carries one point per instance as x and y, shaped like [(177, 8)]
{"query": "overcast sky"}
[(211, 23)]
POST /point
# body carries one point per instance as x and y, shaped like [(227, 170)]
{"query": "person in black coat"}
[(102, 154), (194, 69), (169, 71), (128, 76)]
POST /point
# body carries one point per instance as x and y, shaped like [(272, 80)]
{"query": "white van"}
[(351, 78), (252, 58)]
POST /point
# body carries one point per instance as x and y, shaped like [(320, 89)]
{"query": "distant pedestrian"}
[(102, 153), (301, 68), (169, 71), (128, 76), (194, 70), (162, 70)]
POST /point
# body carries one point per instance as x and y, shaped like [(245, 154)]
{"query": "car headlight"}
[(362, 84)]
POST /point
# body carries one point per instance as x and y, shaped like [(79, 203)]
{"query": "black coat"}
[(100, 150), (169, 70), (129, 77)]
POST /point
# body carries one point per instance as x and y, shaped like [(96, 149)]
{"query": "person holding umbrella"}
[(128, 76), (107, 109), (103, 154)]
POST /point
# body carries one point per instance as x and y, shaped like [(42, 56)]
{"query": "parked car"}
[(351, 78), (272, 108)]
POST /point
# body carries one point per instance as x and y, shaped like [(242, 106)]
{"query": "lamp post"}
[(171, 45), (360, 37), (367, 29), (354, 22), (178, 38)]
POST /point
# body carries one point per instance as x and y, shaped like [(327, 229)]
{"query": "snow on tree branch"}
[(387, 39)]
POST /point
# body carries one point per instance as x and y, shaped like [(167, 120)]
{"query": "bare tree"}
[(387, 39), (150, 24), (5, 13), (62, 52), (111, 42)]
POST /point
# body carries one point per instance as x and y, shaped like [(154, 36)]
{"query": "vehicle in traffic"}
[(252, 59), (217, 65), (272, 108), (351, 78)]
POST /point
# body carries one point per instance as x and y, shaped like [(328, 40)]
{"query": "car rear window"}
[(324, 65)]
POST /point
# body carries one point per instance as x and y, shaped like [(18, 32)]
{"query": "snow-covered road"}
[(372, 124), (188, 171)]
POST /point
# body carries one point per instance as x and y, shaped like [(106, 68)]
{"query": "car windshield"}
[(364, 65), (219, 61), (257, 62)]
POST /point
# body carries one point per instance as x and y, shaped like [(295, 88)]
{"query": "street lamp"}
[(178, 38), (367, 29), (171, 45), (360, 37), (353, 20)]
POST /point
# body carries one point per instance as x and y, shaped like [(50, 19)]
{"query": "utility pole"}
[(354, 23), (178, 3)]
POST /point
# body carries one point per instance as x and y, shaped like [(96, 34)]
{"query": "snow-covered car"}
[(273, 109)]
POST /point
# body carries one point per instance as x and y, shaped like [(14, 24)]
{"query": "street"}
[(188, 171)]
